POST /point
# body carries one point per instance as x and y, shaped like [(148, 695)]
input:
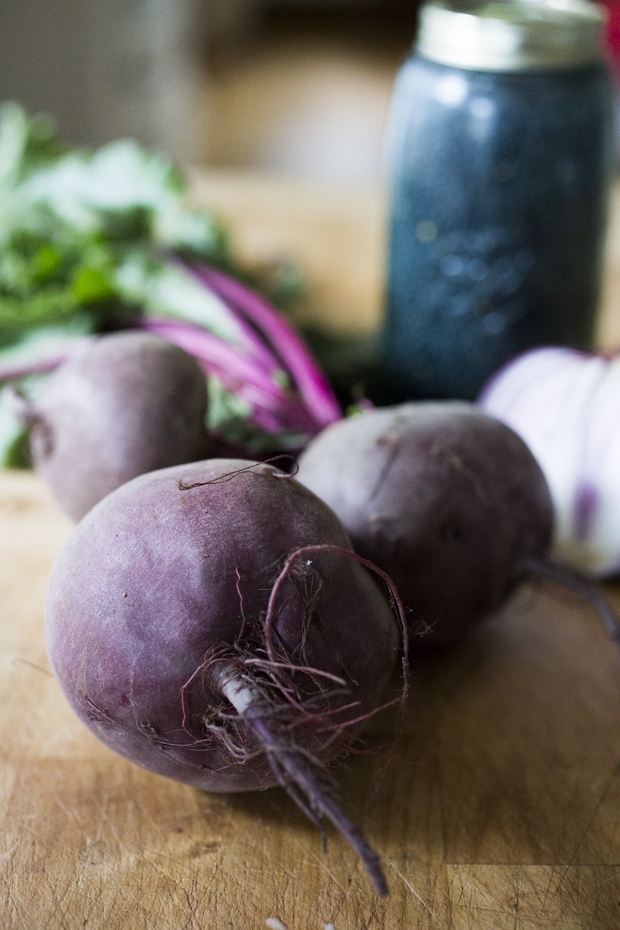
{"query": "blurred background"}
[(299, 87), (303, 87), (278, 107)]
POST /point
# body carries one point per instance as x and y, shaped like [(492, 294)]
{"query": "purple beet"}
[(124, 404), (446, 499), (210, 623)]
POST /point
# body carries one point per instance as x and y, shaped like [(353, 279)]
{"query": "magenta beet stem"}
[(205, 345), (296, 357), (264, 414), (274, 410), (250, 343)]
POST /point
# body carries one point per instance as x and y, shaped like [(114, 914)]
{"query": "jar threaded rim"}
[(511, 35)]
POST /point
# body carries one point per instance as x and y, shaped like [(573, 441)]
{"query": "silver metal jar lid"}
[(511, 35)]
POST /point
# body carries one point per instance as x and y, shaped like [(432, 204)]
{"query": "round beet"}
[(447, 500), (210, 623), (125, 404)]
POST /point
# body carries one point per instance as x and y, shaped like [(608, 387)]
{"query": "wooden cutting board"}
[(500, 808)]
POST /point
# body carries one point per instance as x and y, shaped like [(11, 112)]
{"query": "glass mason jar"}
[(501, 158)]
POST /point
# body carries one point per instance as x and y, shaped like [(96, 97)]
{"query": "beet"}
[(125, 404), (210, 623), (447, 500)]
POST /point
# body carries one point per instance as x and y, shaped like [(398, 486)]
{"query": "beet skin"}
[(124, 404), (161, 577), (446, 499)]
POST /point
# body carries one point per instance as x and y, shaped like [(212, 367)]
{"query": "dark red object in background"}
[(613, 27), (613, 53)]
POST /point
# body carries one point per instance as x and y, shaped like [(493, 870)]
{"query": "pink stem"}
[(310, 380), (237, 372)]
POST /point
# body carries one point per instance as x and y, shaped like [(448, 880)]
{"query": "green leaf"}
[(91, 285), (12, 435), (170, 290), (17, 453), (46, 262), (48, 305), (26, 143), (231, 418), (85, 240)]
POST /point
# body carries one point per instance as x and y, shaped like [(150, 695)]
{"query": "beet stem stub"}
[(305, 774)]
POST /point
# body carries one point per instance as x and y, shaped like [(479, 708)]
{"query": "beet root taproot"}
[(210, 623)]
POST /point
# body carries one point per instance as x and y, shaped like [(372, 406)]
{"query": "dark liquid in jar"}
[(500, 186)]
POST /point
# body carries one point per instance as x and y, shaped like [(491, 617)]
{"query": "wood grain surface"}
[(500, 808)]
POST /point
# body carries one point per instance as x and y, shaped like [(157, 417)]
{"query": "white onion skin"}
[(565, 405)]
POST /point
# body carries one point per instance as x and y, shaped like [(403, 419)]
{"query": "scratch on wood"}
[(194, 896), (549, 891), (584, 834), (69, 812), (411, 889), (12, 900), (331, 875), (293, 876)]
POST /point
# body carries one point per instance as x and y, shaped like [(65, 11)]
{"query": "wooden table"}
[(501, 808)]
